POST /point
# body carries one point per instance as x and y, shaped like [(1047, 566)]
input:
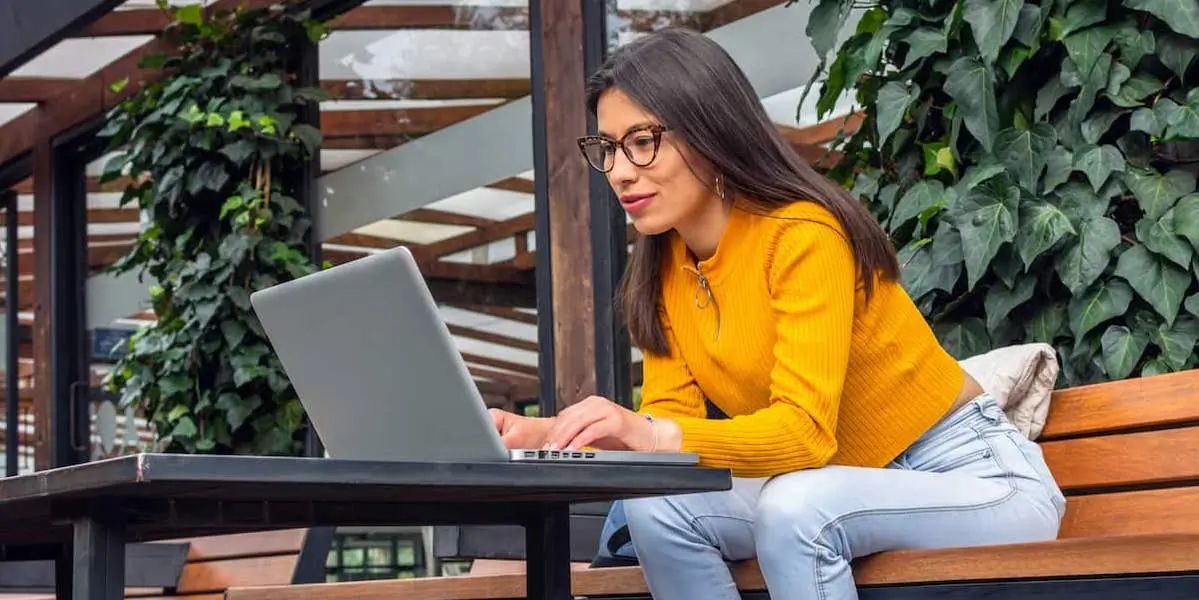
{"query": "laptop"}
[(377, 371)]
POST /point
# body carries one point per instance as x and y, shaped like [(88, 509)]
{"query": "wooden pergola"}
[(398, 94)]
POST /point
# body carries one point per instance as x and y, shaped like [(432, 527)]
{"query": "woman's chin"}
[(647, 225)]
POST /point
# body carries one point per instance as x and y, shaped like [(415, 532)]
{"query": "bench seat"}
[(215, 563), (1123, 452)]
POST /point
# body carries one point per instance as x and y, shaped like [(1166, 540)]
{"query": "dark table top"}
[(176, 495)]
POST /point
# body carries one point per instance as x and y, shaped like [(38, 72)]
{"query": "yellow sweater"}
[(808, 372)]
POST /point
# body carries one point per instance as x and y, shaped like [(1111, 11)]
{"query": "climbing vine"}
[(1035, 162), (206, 152)]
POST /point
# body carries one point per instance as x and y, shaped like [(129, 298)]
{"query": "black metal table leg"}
[(547, 548), (98, 566)]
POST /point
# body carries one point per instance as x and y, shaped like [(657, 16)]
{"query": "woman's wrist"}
[(664, 435)]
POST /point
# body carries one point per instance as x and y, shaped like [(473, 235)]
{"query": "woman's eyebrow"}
[(635, 126)]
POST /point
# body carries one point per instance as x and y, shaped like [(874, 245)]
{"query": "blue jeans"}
[(972, 479)]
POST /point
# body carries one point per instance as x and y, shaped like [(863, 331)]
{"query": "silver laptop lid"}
[(374, 364)]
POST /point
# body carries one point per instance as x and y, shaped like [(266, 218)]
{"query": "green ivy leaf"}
[(1160, 237), (964, 338), (1041, 226), (1156, 192), (1086, 46), (934, 264), (892, 104), (1135, 44), (1058, 168), (824, 23), (1088, 256), (240, 152), (233, 331), (924, 42), (236, 408), (1082, 14), (1180, 15), (1001, 300), (1177, 52), (176, 384), (1106, 300), (1181, 121), (309, 136), (1177, 342), (1191, 304), (987, 218), (1025, 153), (1161, 284), (971, 85), (1049, 95), (185, 428), (1122, 350), (1155, 366), (978, 173), (1046, 323), (1094, 128), (992, 22), (925, 194), (191, 14), (1186, 219), (1132, 93), (1145, 119), (1098, 163)]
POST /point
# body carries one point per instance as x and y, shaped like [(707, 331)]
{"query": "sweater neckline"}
[(727, 249)]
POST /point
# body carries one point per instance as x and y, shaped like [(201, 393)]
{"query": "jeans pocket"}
[(1035, 461)]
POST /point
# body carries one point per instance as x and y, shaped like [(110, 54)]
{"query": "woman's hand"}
[(601, 423), (518, 432)]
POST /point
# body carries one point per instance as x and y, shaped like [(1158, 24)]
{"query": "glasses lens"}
[(598, 153), (641, 147)]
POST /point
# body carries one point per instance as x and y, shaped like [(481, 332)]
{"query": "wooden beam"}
[(472, 239), (564, 112), (337, 124), (735, 10), (32, 89), (425, 89), (91, 95)]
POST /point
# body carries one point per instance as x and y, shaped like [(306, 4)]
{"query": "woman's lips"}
[(635, 203)]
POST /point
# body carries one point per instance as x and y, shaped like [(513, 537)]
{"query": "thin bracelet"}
[(653, 427)]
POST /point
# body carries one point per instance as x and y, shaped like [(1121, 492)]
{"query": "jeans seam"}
[(693, 522), (1011, 493)]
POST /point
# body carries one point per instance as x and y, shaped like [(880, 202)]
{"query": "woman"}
[(765, 288)]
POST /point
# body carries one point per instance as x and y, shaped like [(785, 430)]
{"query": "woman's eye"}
[(644, 140)]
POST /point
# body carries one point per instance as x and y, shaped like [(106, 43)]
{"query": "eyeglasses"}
[(640, 146)]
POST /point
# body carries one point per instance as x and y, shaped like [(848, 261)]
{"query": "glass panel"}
[(428, 144)]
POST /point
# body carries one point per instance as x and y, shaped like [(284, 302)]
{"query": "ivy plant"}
[(207, 150), (1035, 164)]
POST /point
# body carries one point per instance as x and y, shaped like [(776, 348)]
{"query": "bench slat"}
[(238, 545), (217, 575), (1130, 459), (1093, 557), (1174, 510), (1126, 555), (1116, 406)]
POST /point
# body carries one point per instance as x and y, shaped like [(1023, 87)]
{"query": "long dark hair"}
[(691, 84)]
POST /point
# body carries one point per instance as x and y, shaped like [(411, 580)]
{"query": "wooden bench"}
[(1126, 453), (216, 563)]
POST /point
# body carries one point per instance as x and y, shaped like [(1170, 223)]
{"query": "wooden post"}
[(43, 187), (567, 335)]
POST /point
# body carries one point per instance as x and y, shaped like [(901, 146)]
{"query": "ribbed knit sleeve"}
[(811, 275), (669, 389)]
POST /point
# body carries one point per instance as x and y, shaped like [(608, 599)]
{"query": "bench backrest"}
[(1125, 455), (281, 557)]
